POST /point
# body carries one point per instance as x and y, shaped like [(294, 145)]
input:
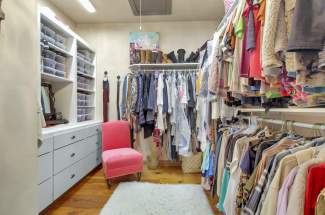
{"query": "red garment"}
[(245, 62), (251, 63), (314, 184), (255, 54)]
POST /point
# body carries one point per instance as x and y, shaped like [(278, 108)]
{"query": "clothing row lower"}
[(257, 171), (163, 104)]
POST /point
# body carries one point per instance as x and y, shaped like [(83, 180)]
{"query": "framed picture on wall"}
[(142, 41)]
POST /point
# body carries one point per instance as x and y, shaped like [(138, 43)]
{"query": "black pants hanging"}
[(105, 100)]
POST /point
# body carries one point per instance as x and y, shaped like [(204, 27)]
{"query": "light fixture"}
[(140, 26), (88, 5)]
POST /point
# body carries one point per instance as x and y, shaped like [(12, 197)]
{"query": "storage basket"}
[(192, 164)]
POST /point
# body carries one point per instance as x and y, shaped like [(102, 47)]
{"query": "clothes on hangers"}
[(254, 172), (166, 101), (257, 52)]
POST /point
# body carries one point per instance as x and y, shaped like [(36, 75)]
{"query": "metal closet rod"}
[(166, 70), (296, 124)]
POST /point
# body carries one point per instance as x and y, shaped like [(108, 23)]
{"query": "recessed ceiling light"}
[(88, 6)]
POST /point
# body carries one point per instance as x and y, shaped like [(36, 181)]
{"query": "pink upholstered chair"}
[(119, 158)]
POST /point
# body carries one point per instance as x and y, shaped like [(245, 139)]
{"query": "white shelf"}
[(85, 90), (64, 127), (86, 62), (54, 78), (58, 49), (86, 106), (85, 75), (284, 110), (170, 66)]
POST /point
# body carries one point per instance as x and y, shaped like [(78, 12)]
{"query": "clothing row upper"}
[(270, 52), (253, 170)]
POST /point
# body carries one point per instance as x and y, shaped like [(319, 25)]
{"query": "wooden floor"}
[(90, 195)]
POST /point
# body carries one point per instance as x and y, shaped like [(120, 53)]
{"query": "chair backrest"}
[(115, 135)]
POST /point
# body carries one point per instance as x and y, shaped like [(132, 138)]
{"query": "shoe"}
[(172, 57), (148, 56), (195, 58), (181, 55), (166, 60), (159, 57), (137, 56), (143, 56), (190, 58), (154, 55)]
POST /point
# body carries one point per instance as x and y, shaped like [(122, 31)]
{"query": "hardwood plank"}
[(91, 194)]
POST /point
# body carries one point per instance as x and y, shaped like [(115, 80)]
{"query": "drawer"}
[(45, 167), (66, 139), (90, 131), (46, 146), (99, 156), (45, 194), (70, 154), (65, 179), (74, 136), (89, 163), (68, 177)]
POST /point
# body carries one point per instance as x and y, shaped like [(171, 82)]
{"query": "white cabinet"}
[(68, 177), (68, 155), (45, 146), (45, 194), (45, 163), (62, 167), (74, 136)]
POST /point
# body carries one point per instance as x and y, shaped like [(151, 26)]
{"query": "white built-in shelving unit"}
[(69, 65), (67, 152)]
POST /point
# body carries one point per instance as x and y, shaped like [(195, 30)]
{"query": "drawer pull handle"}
[(72, 176), (72, 155), (73, 137)]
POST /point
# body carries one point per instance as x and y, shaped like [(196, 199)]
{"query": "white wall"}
[(110, 41), (61, 16), (19, 57)]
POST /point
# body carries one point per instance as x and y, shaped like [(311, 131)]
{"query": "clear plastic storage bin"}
[(59, 39), (59, 58), (49, 63), (49, 70), (60, 67), (81, 69), (60, 45), (49, 54), (59, 73), (49, 32)]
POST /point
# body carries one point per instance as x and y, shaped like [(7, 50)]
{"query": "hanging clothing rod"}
[(293, 123), (166, 70), (296, 124)]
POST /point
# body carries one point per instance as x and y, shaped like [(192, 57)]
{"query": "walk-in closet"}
[(162, 107)]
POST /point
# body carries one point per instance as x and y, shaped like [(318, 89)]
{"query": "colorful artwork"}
[(144, 40)]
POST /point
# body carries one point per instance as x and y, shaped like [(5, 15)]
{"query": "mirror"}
[(47, 101), (48, 106)]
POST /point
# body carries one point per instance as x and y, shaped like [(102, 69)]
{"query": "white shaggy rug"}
[(136, 198)]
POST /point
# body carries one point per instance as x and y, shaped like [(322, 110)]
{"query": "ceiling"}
[(120, 11)]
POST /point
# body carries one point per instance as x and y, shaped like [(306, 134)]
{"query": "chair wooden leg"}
[(139, 176), (109, 183)]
